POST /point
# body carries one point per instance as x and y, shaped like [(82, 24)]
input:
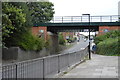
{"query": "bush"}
[(30, 42), (61, 39), (111, 34), (108, 44), (98, 39), (47, 44)]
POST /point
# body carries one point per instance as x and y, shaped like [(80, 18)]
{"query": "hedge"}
[(109, 46), (31, 42), (109, 43)]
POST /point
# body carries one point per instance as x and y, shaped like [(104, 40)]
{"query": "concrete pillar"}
[(54, 44)]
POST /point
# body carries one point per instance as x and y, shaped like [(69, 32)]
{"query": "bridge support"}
[(54, 44)]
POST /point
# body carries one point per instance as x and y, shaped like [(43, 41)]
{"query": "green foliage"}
[(111, 34), (7, 26), (108, 44), (26, 41), (30, 42), (47, 44), (18, 18), (25, 8), (12, 19), (41, 11), (61, 39), (99, 39)]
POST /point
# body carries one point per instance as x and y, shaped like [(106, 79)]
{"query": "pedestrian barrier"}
[(106, 18), (42, 67)]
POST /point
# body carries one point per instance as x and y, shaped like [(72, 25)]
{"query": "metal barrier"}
[(43, 67), (107, 18)]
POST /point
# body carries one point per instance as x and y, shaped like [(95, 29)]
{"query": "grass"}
[(65, 72)]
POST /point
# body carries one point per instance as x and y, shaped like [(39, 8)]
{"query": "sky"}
[(79, 7)]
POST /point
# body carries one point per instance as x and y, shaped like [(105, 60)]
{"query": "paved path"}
[(98, 67)]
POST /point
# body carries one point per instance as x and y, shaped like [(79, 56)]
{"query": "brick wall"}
[(104, 29), (40, 31), (70, 34)]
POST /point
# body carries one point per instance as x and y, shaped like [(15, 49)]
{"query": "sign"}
[(42, 31), (105, 30)]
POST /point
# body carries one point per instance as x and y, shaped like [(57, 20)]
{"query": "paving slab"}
[(99, 66)]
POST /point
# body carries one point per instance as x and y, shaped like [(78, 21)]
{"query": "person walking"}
[(94, 48)]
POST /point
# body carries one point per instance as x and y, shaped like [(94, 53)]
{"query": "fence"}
[(43, 67), (63, 19)]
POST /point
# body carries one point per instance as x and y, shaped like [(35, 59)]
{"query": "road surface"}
[(82, 44)]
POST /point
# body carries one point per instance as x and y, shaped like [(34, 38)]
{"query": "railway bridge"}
[(101, 24)]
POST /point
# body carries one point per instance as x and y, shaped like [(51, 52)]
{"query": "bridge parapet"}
[(70, 19)]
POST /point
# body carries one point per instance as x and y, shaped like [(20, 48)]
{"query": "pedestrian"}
[(94, 48)]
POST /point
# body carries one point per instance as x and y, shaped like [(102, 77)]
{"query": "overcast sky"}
[(79, 7)]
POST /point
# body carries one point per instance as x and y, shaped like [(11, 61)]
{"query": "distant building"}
[(68, 35), (41, 31)]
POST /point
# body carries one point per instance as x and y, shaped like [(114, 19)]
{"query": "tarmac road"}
[(82, 44)]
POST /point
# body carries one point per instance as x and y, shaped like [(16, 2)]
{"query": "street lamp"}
[(89, 34)]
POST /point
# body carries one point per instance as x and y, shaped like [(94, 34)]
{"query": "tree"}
[(25, 8), (41, 11), (18, 18), (13, 20), (0, 26)]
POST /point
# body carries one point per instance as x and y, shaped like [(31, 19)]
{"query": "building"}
[(104, 29), (68, 35), (40, 32)]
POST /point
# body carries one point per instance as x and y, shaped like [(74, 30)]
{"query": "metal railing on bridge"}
[(64, 19), (42, 67)]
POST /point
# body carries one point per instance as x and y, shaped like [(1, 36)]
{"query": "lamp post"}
[(89, 34)]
